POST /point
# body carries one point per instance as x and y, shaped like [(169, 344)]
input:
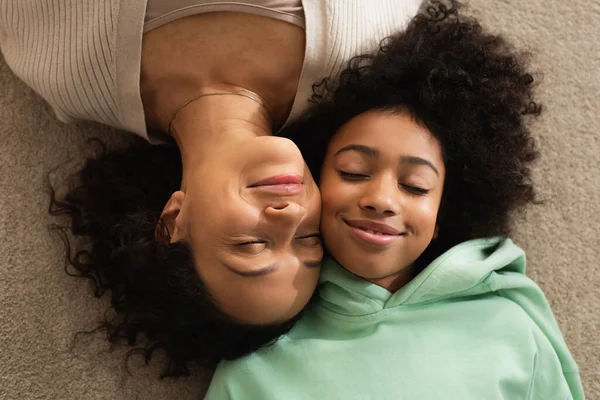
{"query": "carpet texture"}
[(41, 308)]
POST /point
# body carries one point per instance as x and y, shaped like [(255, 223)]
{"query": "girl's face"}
[(381, 187)]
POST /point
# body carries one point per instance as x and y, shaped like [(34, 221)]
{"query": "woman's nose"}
[(381, 196), (287, 213)]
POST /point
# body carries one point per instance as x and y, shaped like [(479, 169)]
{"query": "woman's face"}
[(381, 186), (251, 215)]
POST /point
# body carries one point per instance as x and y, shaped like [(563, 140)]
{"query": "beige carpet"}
[(41, 308)]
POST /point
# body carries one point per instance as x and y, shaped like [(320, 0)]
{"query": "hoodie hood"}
[(463, 270)]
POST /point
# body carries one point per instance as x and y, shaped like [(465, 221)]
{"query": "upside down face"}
[(250, 213)]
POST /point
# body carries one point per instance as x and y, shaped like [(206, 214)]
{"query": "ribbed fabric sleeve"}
[(82, 56), (337, 30)]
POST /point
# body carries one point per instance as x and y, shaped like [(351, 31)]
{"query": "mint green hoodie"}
[(469, 326)]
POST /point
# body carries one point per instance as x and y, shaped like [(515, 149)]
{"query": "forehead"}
[(275, 297), (384, 126), (390, 133)]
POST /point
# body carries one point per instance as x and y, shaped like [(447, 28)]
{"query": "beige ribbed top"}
[(83, 56), (161, 12)]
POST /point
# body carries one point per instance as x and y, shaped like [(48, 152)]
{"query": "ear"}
[(167, 226), (436, 232)]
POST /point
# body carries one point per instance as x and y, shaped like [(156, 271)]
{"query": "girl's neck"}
[(395, 282)]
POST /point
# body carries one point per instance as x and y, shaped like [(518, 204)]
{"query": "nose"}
[(287, 214), (381, 196)]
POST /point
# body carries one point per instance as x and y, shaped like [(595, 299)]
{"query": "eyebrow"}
[(373, 153), (269, 269), (366, 150), (412, 160)]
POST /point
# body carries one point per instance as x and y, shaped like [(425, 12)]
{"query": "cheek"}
[(335, 198), (314, 209), (329, 209), (219, 218), (336, 195), (327, 186), (425, 214)]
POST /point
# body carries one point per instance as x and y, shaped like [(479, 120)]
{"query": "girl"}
[(427, 156)]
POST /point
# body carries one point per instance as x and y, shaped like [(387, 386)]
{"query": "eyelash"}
[(416, 190), (351, 176), (258, 241), (310, 236), (357, 177), (314, 235), (250, 242)]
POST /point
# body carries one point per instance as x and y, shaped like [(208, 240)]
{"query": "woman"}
[(214, 257), (428, 156)]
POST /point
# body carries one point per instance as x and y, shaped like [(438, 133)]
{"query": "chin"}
[(364, 270)]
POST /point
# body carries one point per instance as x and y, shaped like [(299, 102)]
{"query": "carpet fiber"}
[(41, 308)]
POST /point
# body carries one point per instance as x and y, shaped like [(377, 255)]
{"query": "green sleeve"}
[(549, 380), (554, 363), (218, 389)]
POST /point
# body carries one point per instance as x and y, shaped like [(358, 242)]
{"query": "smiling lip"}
[(282, 184), (281, 179), (373, 233), (284, 189)]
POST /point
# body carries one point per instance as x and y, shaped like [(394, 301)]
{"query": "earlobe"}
[(167, 229), (436, 232)]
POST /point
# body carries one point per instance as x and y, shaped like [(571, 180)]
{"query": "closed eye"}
[(416, 190), (252, 247), (249, 242), (352, 176), (310, 240)]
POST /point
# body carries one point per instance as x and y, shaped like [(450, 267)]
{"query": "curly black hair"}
[(473, 92), (471, 89), (159, 300)]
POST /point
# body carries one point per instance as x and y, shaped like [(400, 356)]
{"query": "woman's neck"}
[(215, 122), (191, 54)]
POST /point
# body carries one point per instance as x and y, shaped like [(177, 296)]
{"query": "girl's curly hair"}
[(155, 291), (473, 92)]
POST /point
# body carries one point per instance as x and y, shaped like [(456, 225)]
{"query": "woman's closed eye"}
[(256, 246), (252, 247), (310, 240)]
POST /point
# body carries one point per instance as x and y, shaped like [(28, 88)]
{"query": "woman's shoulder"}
[(85, 67), (338, 30)]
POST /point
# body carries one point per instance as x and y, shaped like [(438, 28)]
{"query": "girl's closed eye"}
[(415, 189), (351, 176)]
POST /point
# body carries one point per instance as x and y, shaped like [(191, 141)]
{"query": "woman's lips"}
[(281, 179), (373, 233), (283, 184)]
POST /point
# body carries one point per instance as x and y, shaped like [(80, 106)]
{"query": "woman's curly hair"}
[(472, 91), (155, 290)]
